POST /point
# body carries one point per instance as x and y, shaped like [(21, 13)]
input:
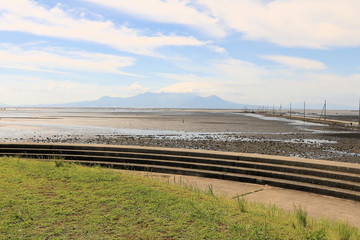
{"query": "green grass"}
[(57, 200)]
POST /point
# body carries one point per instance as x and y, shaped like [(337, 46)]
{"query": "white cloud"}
[(295, 62), (49, 60), (17, 90), (190, 83), (292, 23), (172, 11), (28, 16), (313, 88), (244, 82), (216, 48), (135, 89), (231, 79), (227, 78)]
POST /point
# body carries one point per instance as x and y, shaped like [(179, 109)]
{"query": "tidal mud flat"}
[(222, 130)]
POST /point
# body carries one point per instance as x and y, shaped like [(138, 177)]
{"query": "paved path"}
[(317, 205)]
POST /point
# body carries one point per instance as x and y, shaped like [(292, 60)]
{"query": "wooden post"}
[(290, 109)]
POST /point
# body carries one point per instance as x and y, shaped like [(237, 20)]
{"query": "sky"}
[(256, 52)]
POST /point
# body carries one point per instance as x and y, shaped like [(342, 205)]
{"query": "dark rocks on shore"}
[(345, 150)]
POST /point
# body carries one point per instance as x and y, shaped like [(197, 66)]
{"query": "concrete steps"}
[(317, 176)]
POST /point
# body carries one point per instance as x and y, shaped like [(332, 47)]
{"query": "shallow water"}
[(61, 122), (202, 129), (290, 121)]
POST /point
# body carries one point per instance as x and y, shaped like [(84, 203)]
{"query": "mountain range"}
[(155, 100), (173, 100)]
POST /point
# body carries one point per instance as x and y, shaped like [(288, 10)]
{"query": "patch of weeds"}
[(193, 187), (260, 232), (59, 162), (317, 235), (344, 231), (20, 164), (210, 190), (272, 211), (241, 203), (301, 215)]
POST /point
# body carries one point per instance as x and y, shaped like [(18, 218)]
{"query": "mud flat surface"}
[(342, 115), (223, 130)]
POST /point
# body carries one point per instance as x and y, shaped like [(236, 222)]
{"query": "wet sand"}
[(223, 130)]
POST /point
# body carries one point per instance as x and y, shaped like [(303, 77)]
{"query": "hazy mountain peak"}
[(156, 100)]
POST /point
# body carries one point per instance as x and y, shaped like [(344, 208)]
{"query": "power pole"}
[(304, 111), (323, 111), (359, 112), (280, 110), (290, 109)]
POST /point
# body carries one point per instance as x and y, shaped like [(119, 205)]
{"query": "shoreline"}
[(206, 130)]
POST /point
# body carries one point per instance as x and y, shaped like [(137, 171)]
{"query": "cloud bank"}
[(55, 22)]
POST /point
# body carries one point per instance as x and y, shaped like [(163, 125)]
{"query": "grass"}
[(301, 215), (58, 200)]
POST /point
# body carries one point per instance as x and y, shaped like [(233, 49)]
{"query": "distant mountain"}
[(155, 100)]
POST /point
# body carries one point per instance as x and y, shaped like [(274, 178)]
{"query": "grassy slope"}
[(42, 200)]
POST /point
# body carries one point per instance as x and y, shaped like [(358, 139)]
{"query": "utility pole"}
[(280, 110), (290, 109), (325, 111), (304, 111), (273, 109), (359, 112)]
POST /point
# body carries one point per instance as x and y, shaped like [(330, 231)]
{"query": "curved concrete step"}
[(287, 161), (323, 177), (199, 160)]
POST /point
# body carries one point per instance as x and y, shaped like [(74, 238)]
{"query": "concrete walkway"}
[(316, 205)]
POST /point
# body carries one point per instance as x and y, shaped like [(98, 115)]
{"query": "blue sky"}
[(256, 52)]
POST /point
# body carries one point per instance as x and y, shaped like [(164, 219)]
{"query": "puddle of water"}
[(41, 130), (230, 138), (344, 153), (299, 124), (310, 141), (289, 121)]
